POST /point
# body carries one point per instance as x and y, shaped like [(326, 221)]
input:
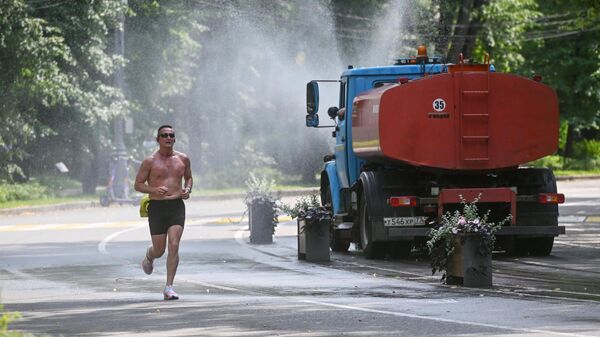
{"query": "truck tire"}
[(371, 250), (540, 246)]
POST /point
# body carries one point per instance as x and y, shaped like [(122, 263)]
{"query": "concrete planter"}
[(313, 243), (261, 223), (467, 266)]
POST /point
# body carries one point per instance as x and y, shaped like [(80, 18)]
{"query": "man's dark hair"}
[(162, 127)]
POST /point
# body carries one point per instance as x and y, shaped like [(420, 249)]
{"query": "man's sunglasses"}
[(165, 135)]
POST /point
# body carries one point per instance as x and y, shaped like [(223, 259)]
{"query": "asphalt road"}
[(77, 273)]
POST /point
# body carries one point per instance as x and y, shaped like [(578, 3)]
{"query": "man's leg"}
[(174, 236), (157, 249)]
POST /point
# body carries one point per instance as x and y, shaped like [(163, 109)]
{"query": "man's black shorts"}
[(162, 214)]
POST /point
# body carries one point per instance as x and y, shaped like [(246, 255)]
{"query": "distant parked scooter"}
[(117, 187)]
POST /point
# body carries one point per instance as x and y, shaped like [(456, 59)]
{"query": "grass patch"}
[(47, 201), (569, 173)]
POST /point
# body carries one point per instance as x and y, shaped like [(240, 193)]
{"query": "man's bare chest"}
[(172, 166)]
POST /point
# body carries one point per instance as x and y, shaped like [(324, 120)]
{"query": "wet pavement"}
[(78, 274)]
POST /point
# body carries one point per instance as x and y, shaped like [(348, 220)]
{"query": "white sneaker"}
[(147, 264), (170, 294)]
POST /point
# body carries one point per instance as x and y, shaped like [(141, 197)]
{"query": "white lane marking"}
[(388, 269), (106, 240), (562, 243), (213, 285), (580, 203), (445, 320), (571, 218)]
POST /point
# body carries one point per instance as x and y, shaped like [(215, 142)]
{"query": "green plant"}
[(5, 319), (554, 162), (23, 191), (260, 193), (442, 237), (587, 149), (58, 182), (309, 209)]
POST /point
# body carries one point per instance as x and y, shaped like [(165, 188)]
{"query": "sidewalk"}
[(96, 203)]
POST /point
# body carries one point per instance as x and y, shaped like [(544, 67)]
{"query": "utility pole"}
[(120, 187)]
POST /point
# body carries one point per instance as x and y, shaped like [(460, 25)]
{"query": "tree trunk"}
[(460, 30), (569, 150), (465, 30), (473, 31), (444, 26), (89, 174)]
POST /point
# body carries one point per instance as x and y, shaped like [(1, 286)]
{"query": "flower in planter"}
[(260, 193), (455, 225), (309, 209)]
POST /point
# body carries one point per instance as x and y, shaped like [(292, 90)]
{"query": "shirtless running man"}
[(160, 176)]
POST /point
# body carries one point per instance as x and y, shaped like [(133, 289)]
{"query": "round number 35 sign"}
[(439, 104)]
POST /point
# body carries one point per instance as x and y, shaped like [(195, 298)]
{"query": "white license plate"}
[(405, 221)]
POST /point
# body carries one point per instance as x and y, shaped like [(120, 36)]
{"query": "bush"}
[(554, 162), (587, 164), (587, 149), (55, 182), (25, 191)]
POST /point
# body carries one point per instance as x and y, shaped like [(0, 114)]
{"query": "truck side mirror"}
[(312, 97), (312, 120), (332, 112)]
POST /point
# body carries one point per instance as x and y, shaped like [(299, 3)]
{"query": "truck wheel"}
[(372, 250), (541, 246)]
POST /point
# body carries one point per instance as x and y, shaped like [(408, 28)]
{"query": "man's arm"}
[(142, 177), (188, 181)]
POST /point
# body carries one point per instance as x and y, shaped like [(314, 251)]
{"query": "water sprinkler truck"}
[(415, 138)]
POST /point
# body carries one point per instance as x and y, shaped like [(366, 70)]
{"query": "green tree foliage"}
[(162, 46), (230, 75), (564, 48), (505, 24), (57, 71), (557, 39)]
